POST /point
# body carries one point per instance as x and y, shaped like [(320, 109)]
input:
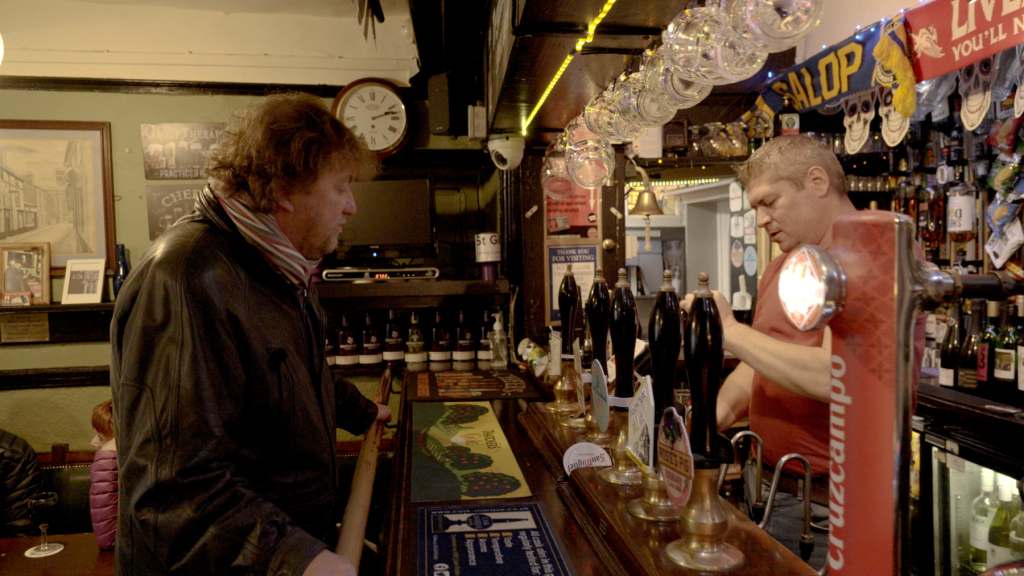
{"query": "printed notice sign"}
[(583, 260), (503, 539), (178, 151), (641, 423)]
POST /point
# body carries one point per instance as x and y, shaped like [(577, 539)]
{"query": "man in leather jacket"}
[(225, 409)]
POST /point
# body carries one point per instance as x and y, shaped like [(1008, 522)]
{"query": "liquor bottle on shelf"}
[(742, 303), (960, 208), (598, 312), (122, 266), (983, 509), (949, 356), (665, 339), (499, 343), (623, 329), (787, 121), (704, 357), (1017, 535), (440, 339), (1019, 384), (483, 346), (968, 377), (371, 350), (987, 346), (1004, 358), (999, 532), (348, 344), (465, 348), (394, 345), (415, 352)]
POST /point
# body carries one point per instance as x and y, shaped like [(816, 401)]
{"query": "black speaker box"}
[(438, 104)]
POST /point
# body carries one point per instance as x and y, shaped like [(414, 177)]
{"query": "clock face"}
[(374, 112)]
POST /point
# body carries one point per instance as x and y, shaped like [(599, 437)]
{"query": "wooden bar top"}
[(628, 545), (80, 557)]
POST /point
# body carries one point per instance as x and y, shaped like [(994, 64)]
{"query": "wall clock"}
[(372, 109)]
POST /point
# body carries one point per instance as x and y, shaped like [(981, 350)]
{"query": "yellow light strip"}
[(636, 184), (591, 29)]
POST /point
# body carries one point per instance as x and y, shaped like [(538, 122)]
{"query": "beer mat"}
[(460, 453), (477, 385), (502, 539)]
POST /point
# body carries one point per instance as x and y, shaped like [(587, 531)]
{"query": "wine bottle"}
[(665, 338), (440, 339), (598, 312), (983, 509), (623, 329), (949, 356), (414, 343), (987, 345), (1017, 535), (1004, 357), (483, 347), (1019, 391), (968, 377), (348, 344), (999, 532), (371, 350), (704, 357), (465, 348), (394, 346)]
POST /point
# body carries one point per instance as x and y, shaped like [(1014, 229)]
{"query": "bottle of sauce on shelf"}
[(949, 354)]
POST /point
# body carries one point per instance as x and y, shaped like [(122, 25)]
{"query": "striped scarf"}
[(262, 231)]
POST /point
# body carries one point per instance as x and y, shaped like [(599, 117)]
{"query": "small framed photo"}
[(25, 270), (84, 281)]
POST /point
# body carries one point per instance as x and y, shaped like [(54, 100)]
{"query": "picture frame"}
[(84, 281), (25, 269), (56, 187)]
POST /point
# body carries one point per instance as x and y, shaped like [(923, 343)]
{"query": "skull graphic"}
[(975, 86), (860, 110), (894, 124)]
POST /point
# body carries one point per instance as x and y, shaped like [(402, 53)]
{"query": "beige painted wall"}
[(46, 416)]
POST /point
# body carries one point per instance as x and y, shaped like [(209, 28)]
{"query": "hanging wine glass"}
[(554, 175), (775, 25), (681, 93), (39, 505)]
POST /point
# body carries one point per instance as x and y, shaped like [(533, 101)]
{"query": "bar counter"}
[(588, 517)]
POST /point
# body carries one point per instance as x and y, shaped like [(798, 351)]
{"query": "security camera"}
[(506, 150)]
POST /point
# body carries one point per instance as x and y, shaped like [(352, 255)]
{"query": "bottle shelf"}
[(415, 292), (55, 323)]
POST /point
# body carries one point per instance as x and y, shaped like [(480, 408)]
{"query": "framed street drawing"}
[(55, 187), (84, 281), (26, 273)]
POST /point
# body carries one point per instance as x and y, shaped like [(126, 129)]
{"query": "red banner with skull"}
[(946, 35)]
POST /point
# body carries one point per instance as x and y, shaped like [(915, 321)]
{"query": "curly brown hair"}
[(282, 144)]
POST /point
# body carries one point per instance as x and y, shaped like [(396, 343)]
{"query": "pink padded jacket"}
[(103, 497)]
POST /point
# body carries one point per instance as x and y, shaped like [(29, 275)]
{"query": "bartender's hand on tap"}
[(383, 413), (327, 563), (724, 308)]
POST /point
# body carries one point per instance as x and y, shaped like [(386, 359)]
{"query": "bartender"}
[(782, 382)]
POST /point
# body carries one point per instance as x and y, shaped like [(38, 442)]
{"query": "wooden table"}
[(80, 557)]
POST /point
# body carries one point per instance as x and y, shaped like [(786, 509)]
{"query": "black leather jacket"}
[(224, 408), (19, 479)]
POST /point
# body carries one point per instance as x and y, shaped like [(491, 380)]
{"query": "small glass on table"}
[(39, 505)]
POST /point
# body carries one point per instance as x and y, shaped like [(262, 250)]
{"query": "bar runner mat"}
[(460, 453), (494, 540), (454, 385)]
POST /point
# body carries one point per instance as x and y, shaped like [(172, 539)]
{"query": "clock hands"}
[(385, 113)]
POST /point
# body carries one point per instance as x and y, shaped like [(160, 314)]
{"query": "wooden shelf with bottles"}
[(55, 323)]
